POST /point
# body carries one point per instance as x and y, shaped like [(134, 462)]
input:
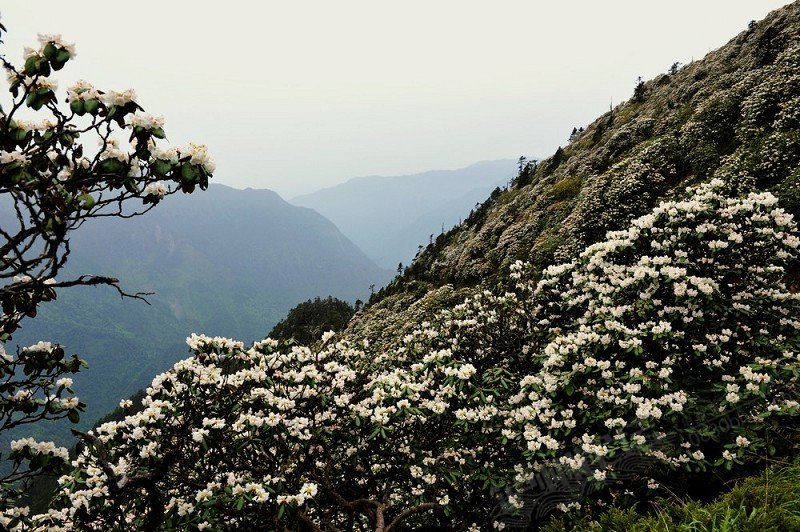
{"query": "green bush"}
[(766, 502), (306, 322), (567, 188)]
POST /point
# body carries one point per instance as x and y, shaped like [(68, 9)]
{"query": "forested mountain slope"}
[(734, 115), (225, 261)]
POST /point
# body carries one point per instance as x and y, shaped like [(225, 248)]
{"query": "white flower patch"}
[(570, 369)]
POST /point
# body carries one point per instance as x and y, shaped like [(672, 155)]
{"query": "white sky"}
[(295, 95)]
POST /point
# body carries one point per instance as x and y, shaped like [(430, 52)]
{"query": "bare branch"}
[(93, 280), (405, 514)]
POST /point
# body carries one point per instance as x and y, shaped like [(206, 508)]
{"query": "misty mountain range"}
[(389, 217)]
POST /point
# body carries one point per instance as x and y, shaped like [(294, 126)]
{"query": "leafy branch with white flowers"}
[(52, 181)]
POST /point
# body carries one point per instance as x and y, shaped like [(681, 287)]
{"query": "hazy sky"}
[(296, 95)]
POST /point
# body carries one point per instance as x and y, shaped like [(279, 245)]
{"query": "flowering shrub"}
[(635, 347), (658, 330), (51, 181)]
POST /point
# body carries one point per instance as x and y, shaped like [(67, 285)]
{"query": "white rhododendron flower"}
[(158, 189), (145, 121), (82, 90), (115, 98), (12, 157), (198, 154)]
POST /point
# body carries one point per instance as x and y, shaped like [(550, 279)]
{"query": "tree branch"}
[(93, 280), (405, 514)]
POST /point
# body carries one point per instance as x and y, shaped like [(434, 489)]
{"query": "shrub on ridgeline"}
[(306, 322), (51, 182), (633, 349), (639, 90), (526, 170)]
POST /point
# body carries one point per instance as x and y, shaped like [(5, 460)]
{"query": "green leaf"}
[(188, 173), (74, 416), (18, 134), (112, 166), (43, 66), (37, 462), (158, 133), (87, 201), (30, 65), (91, 106), (77, 107), (50, 51), (160, 168), (34, 101), (62, 56), (67, 139)]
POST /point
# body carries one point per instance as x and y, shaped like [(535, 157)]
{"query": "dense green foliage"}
[(590, 372), (766, 502), (729, 115), (39, 492), (306, 322)]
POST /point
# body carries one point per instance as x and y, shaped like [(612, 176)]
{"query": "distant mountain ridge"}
[(388, 217), (223, 261)]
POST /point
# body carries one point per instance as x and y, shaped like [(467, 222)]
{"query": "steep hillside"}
[(224, 261), (389, 217), (733, 115), (585, 368)]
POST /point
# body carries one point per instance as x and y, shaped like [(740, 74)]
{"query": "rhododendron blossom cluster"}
[(634, 348), (64, 159)]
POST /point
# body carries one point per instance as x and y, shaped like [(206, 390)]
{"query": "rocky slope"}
[(734, 115)]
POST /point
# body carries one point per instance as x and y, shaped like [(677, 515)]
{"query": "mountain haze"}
[(389, 217), (223, 261)]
